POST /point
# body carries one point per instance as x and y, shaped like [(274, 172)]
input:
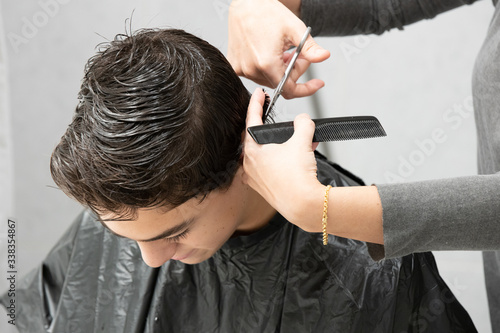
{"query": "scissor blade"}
[(279, 88)]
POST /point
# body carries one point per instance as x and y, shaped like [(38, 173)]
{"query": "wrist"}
[(307, 212)]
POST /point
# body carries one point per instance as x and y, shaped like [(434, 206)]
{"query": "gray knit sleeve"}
[(354, 17), (450, 214)]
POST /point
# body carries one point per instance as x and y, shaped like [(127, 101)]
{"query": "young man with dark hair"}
[(157, 131), (154, 151)]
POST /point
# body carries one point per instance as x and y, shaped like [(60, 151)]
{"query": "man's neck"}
[(258, 212)]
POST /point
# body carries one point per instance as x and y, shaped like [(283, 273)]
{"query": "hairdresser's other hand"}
[(283, 174), (260, 31)]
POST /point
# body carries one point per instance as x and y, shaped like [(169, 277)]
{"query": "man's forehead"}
[(133, 214)]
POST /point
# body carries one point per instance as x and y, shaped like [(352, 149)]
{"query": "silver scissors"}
[(288, 70)]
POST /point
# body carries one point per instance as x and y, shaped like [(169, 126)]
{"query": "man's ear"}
[(243, 135), (240, 160)]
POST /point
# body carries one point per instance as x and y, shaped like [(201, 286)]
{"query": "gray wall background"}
[(415, 81)]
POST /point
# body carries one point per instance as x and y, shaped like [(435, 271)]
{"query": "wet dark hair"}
[(159, 122)]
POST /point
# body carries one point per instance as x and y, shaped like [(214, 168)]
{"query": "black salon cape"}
[(279, 279)]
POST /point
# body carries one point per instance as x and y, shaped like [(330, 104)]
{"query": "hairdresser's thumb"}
[(303, 131), (254, 113), (312, 52)]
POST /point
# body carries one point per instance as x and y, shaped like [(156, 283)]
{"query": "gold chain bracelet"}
[(325, 215)]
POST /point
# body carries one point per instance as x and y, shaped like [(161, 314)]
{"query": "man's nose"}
[(156, 253)]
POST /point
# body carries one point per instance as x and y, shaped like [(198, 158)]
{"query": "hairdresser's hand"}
[(260, 31), (284, 174)]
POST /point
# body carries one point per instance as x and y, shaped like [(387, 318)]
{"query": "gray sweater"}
[(450, 214)]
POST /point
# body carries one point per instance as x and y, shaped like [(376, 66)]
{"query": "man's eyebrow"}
[(167, 233)]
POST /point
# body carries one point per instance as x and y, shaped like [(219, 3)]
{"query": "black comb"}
[(327, 129)]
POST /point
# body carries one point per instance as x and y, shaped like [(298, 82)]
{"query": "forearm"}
[(356, 212), (353, 212), (449, 214), (353, 17)]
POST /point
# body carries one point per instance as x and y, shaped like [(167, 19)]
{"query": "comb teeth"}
[(327, 129), (348, 130)]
